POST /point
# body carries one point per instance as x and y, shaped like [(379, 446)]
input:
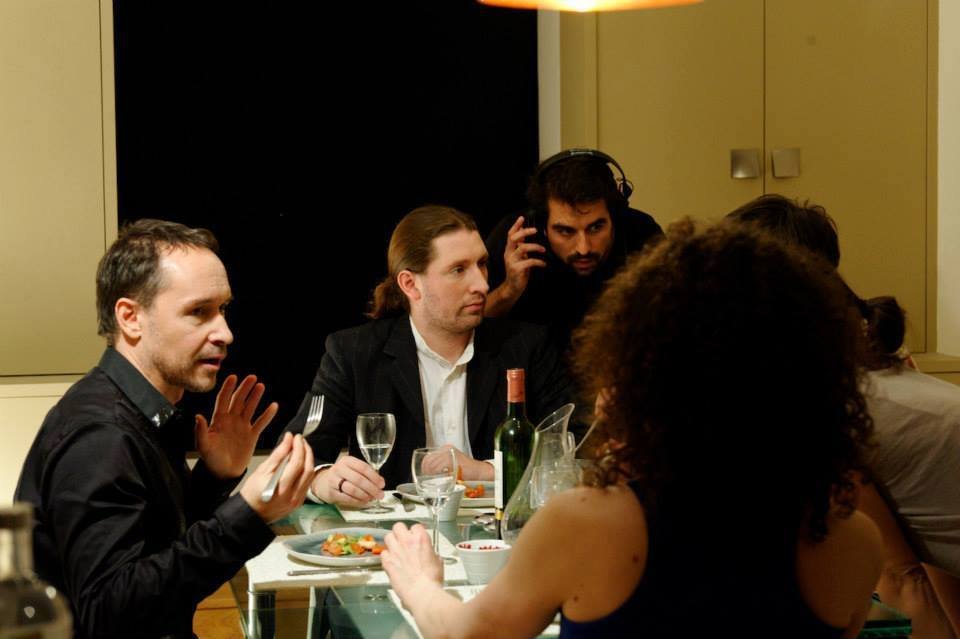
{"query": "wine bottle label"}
[(498, 479)]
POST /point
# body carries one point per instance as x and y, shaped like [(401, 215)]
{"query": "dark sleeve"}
[(643, 229), (334, 380), (496, 242), (207, 492), (119, 577), (549, 385)]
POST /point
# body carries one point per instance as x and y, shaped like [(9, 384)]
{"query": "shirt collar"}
[(425, 350), (154, 406)]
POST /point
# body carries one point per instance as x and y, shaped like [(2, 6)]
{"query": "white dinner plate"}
[(410, 492), (308, 547)]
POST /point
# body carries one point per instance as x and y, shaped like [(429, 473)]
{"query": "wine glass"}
[(375, 435), (435, 474)]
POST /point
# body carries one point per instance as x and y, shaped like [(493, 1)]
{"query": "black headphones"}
[(624, 185), (537, 218)]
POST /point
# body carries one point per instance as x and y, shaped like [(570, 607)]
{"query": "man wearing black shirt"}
[(124, 528), (548, 266)]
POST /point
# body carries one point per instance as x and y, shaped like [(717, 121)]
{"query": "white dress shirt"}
[(444, 389)]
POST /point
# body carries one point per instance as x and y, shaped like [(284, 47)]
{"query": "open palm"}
[(227, 442)]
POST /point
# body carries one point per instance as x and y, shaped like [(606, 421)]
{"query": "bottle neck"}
[(16, 560), (517, 410)]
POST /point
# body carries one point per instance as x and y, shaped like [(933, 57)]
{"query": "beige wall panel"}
[(578, 80), (51, 184), (948, 149), (678, 89), (22, 409), (846, 82)]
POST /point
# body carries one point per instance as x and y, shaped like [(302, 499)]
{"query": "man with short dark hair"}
[(124, 528), (428, 359), (549, 265)]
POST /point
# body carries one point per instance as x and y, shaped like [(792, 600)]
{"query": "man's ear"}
[(129, 316), (407, 281)]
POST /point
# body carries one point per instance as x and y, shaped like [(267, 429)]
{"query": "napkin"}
[(464, 594), (268, 570)]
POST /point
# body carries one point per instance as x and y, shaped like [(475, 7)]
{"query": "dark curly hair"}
[(728, 361), (579, 179)]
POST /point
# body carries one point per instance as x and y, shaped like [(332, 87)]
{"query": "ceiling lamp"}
[(586, 5)]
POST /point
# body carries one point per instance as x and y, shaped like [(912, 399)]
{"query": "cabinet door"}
[(677, 90), (52, 223), (846, 84)]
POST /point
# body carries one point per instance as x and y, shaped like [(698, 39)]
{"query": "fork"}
[(313, 420)]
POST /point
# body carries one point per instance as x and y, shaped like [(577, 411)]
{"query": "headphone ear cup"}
[(626, 190)]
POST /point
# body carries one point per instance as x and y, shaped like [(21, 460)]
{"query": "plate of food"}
[(339, 547), (478, 494)]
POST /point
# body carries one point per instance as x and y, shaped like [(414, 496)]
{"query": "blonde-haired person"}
[(428, 357)]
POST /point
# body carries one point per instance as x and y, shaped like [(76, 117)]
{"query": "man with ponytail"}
[(427, 358)]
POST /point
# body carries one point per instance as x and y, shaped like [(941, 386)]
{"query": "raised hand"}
[(227, 442), (516, 258)]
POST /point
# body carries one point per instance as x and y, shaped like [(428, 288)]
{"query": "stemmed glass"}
[(375, 435), (435, 473)]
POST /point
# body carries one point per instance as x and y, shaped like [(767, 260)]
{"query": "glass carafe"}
[(553, 447), (29, 608)]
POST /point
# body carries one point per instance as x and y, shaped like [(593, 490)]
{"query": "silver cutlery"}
[(313, 420)]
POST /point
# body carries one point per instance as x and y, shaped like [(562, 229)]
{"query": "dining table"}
[(358, 604)]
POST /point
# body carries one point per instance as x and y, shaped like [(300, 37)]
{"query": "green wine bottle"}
[(512, 443)]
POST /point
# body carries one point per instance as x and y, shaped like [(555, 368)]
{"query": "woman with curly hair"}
[(728, 366)]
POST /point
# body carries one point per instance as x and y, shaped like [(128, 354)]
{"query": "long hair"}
[(411, 249), (728, 362)]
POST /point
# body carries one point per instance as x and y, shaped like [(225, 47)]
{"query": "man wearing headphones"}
[(548, 266)]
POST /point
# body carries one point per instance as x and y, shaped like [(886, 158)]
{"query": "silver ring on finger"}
[(340, 485)]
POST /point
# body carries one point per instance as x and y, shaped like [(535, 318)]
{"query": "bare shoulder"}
[(614, 510), (607, 505), (837, 576)]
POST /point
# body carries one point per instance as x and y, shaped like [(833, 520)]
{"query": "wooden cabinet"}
[(844, 81), (57, 180)]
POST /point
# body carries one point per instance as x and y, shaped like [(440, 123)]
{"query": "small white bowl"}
[(483, 558), (449, 510)]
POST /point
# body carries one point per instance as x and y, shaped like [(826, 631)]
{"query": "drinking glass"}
[(435, 474), (375, 435)]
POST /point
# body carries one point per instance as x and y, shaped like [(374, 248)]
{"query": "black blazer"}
[(374, 368)]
